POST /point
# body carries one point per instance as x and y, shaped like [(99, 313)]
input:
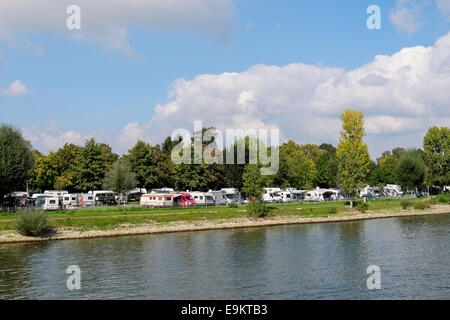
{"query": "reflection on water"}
[(319, 261)]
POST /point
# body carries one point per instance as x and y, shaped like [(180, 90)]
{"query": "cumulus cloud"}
[(16, 88), (108, 22), (404, 16), (399, 94), (130, 134)]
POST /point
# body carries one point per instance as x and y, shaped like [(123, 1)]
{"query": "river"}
[(315, 261)]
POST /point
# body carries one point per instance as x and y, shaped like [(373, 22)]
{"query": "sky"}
[(141, 69)]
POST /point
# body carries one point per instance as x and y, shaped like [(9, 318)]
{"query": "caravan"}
[(202, 198), (321, 195), (51, 204), (271, 195), (392, 190), (104, 197), (160, 200), (232, 194), (71, 199)]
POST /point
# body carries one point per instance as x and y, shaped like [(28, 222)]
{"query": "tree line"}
[(94, 166)]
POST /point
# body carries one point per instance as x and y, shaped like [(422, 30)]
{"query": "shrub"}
[(33, 223), (333, 210), (233, 205), (257, 208), (405, 204), (443, 198), (362, 207), (421, 205)]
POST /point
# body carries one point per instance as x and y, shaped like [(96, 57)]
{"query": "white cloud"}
[(16, 88), (404, 20), (130, 134), (108, 22), (399, 94)]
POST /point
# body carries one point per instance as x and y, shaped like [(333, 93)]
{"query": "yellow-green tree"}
[(352, 153)]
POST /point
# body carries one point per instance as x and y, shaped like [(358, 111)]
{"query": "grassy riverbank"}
[(112, 221)]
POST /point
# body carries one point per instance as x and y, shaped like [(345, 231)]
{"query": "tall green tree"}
[(119, 178), (143, 162), (91, 168), (436, 144), (16, 160), (45, 172), (410, 169), (352, 153), (254, 182)]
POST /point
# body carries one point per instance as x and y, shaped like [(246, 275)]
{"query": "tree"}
[(352, 153), (45, 171), (326, 168), (16, 160), (144, 165), (253, 181), (119, 178), (410, 169), (91, 168), (436, 144)]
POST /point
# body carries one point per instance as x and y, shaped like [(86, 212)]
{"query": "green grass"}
[(103, 218)]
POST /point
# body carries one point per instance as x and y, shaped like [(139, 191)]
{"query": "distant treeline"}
[(83, 168)]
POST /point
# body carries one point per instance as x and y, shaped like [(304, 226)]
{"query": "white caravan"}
[(393, 190), (321, 195), (298, 195), (103, 196), (51, 204), (370, 192), (56, 193), (71, 199), (232, 194), (202, 198), (219, 197), (152, 200), (286, 196), (87, 200), (271, 195)]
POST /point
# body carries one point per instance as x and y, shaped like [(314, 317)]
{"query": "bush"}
[(233, 205), (257, 208), (405, 204), (443, 198), (362, 206), (421, 205), (33, 223), (333, 210)]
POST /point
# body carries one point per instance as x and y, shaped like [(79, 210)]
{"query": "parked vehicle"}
[(182, 199), (320, 195), (286, 196), (202, 198), (298, 195), (136, 194), (232, 194), (271, 195), (392, 190), (71, 199), (104, 197), (152, 200), (56, 193), (370, 192), (219, 197), (51, 204), (87, 200)]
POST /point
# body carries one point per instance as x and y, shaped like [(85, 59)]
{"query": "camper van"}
[(232, 194), (51, 204), (202, 198), (392, 190), (219, 197), (271, 195), (297, 195), (370, 192), (286, 196), (156, 200), (56, 193), (87, 200), (321, 195), (71, 199), (104, 197), (182, 199)]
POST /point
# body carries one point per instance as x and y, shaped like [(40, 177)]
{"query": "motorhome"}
[(286, 196), (370, 192), (136, 194), (87, 200), (219, 197), (271, 195), (202, 198), (232, 195), (162, 190), (56, 193), (71, 199), (320, 195), (182, 199), (392, 190), (104, 197), (51, 204), (153, 200), (298, 195)]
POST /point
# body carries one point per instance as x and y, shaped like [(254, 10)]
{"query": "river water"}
[(316, 261)]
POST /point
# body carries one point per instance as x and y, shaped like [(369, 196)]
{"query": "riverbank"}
[(154, 227)]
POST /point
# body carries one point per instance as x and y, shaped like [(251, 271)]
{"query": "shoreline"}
[(204, 225)]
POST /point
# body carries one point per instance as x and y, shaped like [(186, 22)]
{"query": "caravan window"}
[(201, 197), (90, 198), (168, 198), (52, 201), (67, 198), (74, 198)]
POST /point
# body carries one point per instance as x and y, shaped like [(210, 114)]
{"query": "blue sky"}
[(80, 88)]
